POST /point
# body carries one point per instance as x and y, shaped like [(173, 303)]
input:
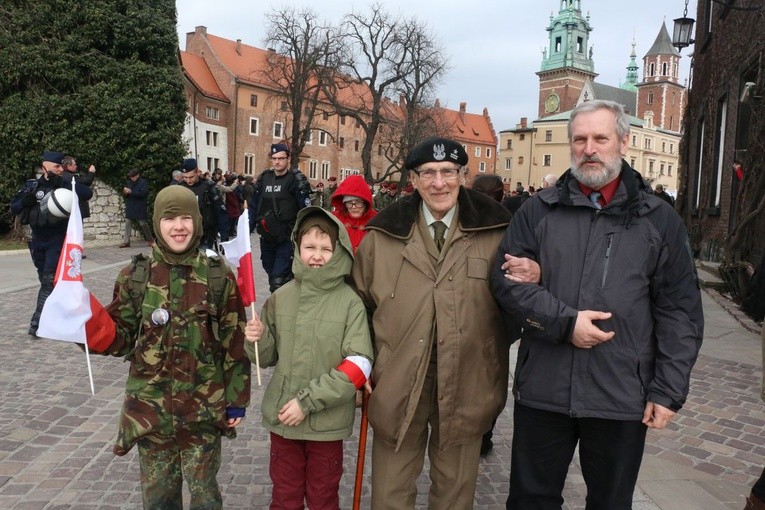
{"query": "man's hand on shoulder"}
[(586, 333)]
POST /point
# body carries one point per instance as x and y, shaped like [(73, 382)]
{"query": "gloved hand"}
[(29, 199)]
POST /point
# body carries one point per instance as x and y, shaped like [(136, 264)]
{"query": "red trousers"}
[(307, 471)]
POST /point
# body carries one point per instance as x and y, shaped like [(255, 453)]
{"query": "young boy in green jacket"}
[(314, 331)]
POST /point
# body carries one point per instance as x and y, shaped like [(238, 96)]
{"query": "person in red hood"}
[(353, 206)]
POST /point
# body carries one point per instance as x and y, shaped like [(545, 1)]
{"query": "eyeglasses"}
[(447, 174), (277, 158), (357, 204)]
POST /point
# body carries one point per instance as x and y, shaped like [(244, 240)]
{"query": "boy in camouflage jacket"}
[(188, 385)]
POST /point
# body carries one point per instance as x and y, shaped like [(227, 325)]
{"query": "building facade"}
[(230, 77), (724, 141)]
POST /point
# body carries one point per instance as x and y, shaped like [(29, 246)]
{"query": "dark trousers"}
[(610, 452), (277, 258), (307, 471), (45, 255), (759, 487)]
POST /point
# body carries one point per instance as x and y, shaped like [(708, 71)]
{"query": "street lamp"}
[(681, 35)]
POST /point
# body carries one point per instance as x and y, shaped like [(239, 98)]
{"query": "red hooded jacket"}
[(353, 185)]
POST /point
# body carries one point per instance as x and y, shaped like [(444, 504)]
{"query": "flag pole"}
[(257, 356), (90, 370)]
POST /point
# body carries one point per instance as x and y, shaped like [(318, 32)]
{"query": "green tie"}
[(439, 227)]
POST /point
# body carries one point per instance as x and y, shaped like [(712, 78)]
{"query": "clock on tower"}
[(552, 103)]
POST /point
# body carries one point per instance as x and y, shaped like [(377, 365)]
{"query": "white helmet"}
[(57, 202)]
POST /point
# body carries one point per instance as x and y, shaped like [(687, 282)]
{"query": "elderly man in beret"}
[(441, 344)]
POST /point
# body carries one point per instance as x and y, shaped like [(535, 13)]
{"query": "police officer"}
[(48, 231), (214, 219), (280, 192)]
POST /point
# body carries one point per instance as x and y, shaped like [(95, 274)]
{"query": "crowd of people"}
[(413, 296)]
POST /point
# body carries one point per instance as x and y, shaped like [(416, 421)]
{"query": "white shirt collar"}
[(429, 218)]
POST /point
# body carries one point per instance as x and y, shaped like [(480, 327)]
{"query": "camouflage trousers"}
[(165, 462)]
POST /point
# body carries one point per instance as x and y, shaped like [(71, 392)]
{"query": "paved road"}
[(56, 438)]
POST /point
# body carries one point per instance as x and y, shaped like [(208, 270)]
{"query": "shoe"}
[(32, 332), (125, 245)]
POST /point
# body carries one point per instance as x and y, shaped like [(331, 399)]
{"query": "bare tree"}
[(304, 49), (392, 65)]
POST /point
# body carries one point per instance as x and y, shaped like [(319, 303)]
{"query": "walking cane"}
[(362, 451)]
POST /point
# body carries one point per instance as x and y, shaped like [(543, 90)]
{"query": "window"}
[(547, 160), (672, 148), (557, 44), (356, 145), (488, 152), (481, 166), (253, 100), (254, 125), (341, 142), (342, 120), (478, 152), (650, 168), (325, 115), (522, 137), (579, 45), (508, 163), (313, 169), (212, 139), (548, 135), (213, 163), (671, 122), (520, 160), (651, 69), (249, 163), (663, 146), (309, 138), (699, 161), (647, 143), (650, 98), (669, 170), (322, 138), (632, 163), (664, 69), (278, 128), (284, 105), (722, 117), (661, 169), (212, 113), (325, 170), (510, 144), (634, 140)]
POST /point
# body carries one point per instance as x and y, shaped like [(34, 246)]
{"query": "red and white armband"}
[(357, 368)]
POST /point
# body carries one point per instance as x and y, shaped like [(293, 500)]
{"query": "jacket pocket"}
[(477, 268), (333, 419), (273, 398)]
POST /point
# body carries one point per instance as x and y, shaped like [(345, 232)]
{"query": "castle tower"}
[(567, 62), (661, 92)]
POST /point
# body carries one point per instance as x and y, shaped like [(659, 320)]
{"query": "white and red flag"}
[(238, 253), (67, 309)]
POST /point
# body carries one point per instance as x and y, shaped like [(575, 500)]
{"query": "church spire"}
[(632, 71)]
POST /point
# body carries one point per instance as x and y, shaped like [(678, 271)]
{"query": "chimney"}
[(238, 46), (401, 100), (463, 107), (437, 104), (524, 122)]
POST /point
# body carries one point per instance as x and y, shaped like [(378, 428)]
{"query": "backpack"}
[(17, 202), (141, 269)]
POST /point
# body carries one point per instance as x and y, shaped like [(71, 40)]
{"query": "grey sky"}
[(494, 46)]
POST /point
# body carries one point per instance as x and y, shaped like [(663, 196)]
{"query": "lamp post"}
[(681, 35)]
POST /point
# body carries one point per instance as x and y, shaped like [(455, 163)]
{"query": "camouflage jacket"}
[(183, 375)]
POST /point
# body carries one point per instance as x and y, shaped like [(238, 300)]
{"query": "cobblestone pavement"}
[(56, 438)]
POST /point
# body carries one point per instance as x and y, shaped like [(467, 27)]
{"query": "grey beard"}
[(596, 179)]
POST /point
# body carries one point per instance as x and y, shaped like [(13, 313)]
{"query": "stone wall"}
[(107, 214)]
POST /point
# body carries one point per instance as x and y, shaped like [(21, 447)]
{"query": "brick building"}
[(724, 136)]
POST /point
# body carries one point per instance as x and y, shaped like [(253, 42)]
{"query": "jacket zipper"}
[(608, 257)]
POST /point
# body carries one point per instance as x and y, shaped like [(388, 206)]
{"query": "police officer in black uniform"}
[(211, 206), (280, 192), (48, 231)]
